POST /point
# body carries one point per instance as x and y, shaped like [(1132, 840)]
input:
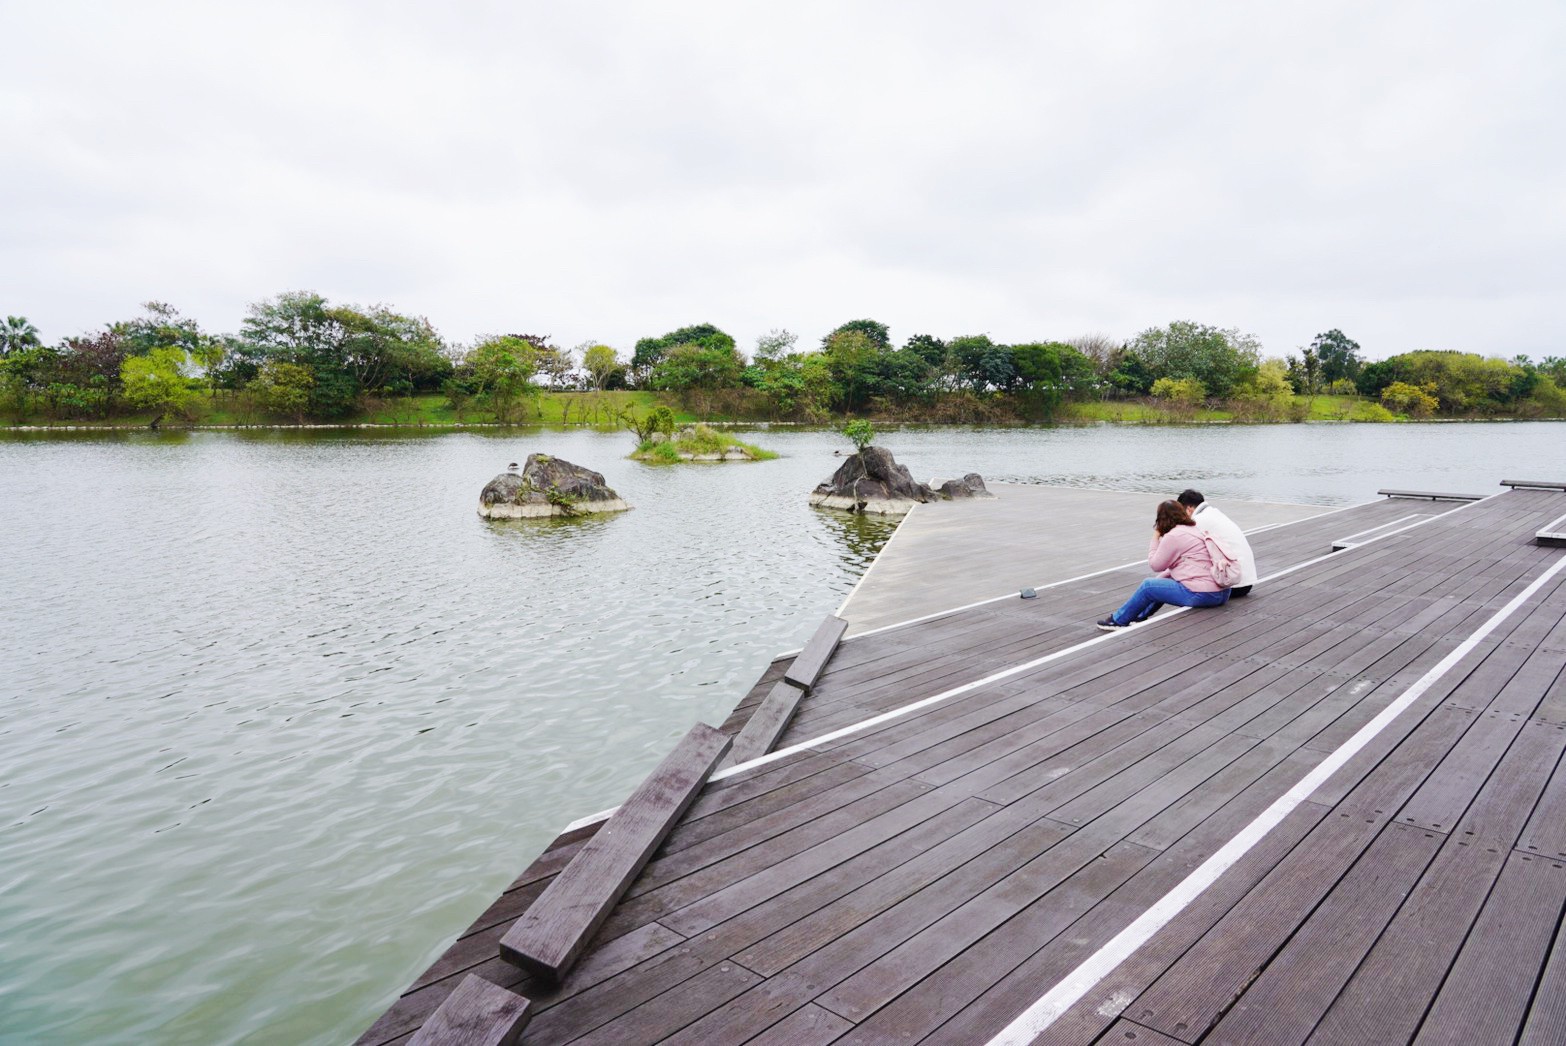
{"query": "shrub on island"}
[(697, 443)]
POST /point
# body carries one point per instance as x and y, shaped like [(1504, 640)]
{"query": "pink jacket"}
[(1182, 554)]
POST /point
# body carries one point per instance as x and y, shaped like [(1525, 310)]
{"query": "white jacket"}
[(1229, 532)]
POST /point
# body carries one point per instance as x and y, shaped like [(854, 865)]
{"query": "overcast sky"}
[(608, 171)]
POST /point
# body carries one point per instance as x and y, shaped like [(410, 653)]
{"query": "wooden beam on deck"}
[(478, 1013), (807, 667), (552, 934)]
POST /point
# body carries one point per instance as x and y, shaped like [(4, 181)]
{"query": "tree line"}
[(299, 357)]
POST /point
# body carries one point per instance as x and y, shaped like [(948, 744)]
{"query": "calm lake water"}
[(280, 715)]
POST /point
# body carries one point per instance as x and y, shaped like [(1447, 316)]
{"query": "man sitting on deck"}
[(1227, 531)]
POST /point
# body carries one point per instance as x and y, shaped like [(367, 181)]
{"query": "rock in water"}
[(547, 486), (872, 481), (970, 486)]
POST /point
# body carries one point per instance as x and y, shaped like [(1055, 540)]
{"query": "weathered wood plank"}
[(767, 723), (476, 1014), (1298, 984), (1487, 993), (807, 667), (551, 935), (1427, 495)]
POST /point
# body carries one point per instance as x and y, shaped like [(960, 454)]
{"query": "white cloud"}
[(612, 170)]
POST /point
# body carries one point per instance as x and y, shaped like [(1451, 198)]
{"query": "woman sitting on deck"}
[(1184, 568)]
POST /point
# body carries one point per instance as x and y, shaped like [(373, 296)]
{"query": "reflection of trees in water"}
[(860, 537)]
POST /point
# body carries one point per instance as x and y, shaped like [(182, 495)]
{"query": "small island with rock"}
[(547, 486), (664, 445), (871, 482)]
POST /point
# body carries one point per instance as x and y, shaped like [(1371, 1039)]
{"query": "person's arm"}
[(1161, 555)]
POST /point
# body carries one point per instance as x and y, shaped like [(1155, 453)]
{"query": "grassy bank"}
[(603, 410)]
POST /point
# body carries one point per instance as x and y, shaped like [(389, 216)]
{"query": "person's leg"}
[(1155, 592), (1187, 598), (1148, 597)]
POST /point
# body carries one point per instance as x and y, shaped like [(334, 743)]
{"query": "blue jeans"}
[(1156, 591)]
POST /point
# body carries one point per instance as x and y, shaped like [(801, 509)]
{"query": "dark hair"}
[(1172, 514), (1191, 498)]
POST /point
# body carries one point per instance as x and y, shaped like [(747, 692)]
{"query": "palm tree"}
[(17, 334)]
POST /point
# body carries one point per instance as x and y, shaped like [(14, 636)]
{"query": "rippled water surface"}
[(279, 714)]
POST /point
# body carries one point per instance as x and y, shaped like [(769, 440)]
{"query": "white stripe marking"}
[(1037, 1018)]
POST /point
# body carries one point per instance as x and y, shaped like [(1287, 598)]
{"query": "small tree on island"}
[(659, 419), (860, 432)]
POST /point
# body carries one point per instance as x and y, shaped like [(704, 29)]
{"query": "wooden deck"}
[(1333, 812)]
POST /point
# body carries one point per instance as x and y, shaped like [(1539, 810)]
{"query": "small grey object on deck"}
[(552, 934), (478, 1013), (807, 667)]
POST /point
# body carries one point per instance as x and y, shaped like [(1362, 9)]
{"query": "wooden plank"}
[(807, 1026), (1284, 1003), (672, 1010), (1487, 993), (800, 938), (767, 723), (746, 855), (987, 1002), (1552, 533), (552, 934), (1546, 1023), (936, 996), (807, 667), (476, 1014), (1427, 495), (1190, 997), (1533, 484), (1130, 1033)]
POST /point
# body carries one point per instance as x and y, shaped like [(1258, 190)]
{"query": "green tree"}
[(1183, 392), (24, 374), (1304, 372), (775, 344), (1339, 356), (796, 385), (930, 349), (878, 333), (283, 389), (860, 432), (982, 365), (1129, 372), (601, 363), (687, 367), (501, 369), (854, 362), (1220, 359), (649, 351), (156, 381), (85, 376), (17, 335), (1413, 400)]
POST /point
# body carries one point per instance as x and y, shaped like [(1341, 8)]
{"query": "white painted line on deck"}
[(1372, 530), (1053, 1004)]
